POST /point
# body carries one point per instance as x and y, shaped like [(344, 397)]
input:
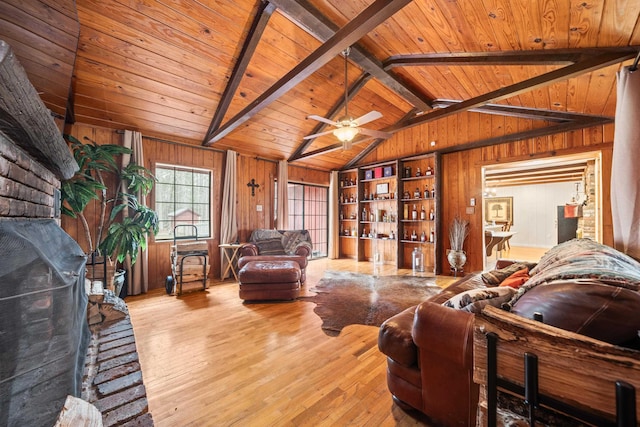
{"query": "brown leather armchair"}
[(278, 245)]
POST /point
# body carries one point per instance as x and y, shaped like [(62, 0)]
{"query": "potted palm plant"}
[(458, 232), (123, 230)]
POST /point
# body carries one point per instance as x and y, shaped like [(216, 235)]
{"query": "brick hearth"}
[(113, 379)]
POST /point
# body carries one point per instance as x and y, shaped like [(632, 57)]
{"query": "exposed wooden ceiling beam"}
[(258, 26), (527, 57), (570, 168), (308, 17), (528, 134), (532, 175), (534, 181), (365, 22), (333, 112), (520, 112), (585, 66)]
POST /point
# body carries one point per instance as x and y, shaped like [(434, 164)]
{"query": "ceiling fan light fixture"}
[(345, 133)]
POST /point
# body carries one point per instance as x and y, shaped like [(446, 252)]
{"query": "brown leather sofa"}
[(429, 358), (579, 286)]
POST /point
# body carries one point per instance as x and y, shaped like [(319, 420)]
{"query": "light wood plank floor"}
[(210, 360)]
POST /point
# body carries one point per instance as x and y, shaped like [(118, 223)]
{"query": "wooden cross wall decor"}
[(253, 186)]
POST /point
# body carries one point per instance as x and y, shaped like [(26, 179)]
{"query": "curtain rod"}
[(166, 141)]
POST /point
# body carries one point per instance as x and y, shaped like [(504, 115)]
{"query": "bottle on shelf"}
[(431, 215), (418, 172), (405, 236), (364, 214), (423, 213), (426, 191), (417, 260), (414, 236), (341, 215), (392, 235), (432, 236), (407, 171), (423, 236), (433, 192), (416, 194), (429, 171), (414, 213)]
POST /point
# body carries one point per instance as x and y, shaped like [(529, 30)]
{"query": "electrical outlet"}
[(471, 210), (258, 208)]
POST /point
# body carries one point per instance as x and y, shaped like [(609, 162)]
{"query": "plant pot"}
[(456, 259)]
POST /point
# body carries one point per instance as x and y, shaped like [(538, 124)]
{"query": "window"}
[(183, 197), (308, 210)]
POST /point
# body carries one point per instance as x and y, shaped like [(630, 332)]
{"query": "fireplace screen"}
[(43, 328)]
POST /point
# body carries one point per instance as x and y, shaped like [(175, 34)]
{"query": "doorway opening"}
[(531, 206)]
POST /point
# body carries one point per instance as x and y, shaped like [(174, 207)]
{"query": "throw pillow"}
[(474, 300), (270, 247), (495, 277), (517, 279)]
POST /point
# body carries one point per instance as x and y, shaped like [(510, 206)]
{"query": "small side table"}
[(230, 256)]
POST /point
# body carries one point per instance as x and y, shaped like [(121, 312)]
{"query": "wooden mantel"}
[(25, 119)]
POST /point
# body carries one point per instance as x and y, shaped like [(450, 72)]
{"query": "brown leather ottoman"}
[(269, 280)]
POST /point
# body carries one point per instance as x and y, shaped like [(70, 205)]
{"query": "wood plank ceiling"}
[(244, 74)]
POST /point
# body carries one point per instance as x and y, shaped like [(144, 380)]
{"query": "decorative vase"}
[(456, 259)]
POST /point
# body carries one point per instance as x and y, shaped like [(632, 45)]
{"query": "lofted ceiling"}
[(245, 74)]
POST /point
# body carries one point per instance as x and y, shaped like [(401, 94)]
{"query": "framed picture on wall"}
[(498, 209), (382, 188)]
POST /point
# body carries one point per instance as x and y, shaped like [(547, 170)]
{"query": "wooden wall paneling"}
[(577, 92), (442, 131), (601, 86), (308, 175), (593, 135)]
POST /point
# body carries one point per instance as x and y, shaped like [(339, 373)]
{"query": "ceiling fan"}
[(347, 127)]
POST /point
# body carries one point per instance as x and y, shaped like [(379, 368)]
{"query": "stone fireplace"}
[(47, 350), (43, 321)]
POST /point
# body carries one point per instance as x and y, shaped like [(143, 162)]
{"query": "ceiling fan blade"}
[(315, 135), (322, 119), (369, 117), (376, 133)]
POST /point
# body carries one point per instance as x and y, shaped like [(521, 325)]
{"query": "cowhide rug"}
[(345, 298)]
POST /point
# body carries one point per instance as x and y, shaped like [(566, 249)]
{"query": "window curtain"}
[(137, 274), (625, 174), (228, 222), (282, 222), (334, 239)]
